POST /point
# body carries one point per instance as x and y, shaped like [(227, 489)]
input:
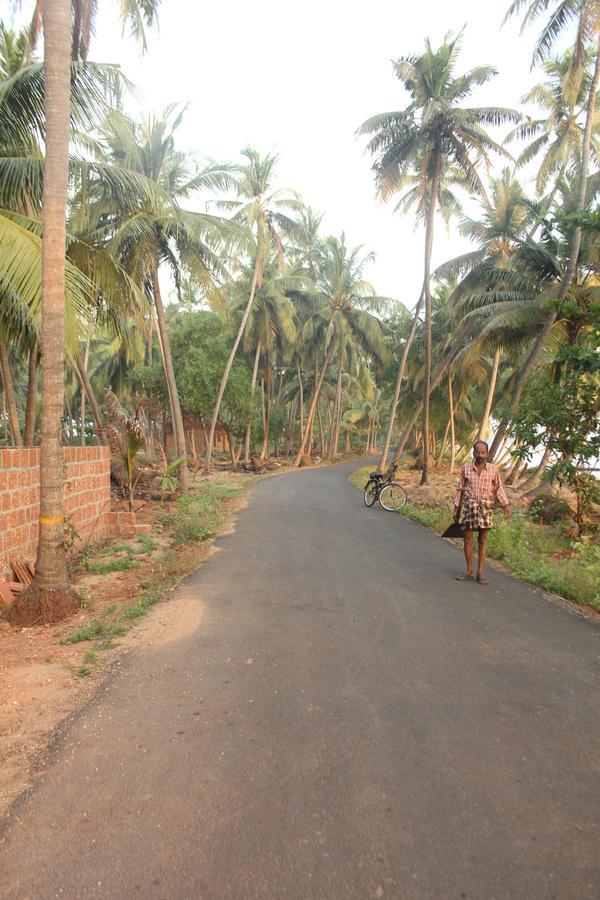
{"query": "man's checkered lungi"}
[(477, 514)]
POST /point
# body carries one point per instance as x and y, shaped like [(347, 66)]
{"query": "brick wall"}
[(87, 498)]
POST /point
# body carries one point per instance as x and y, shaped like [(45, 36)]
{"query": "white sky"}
[(298, 79)]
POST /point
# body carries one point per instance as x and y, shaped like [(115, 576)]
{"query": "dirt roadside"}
[(45, 678)]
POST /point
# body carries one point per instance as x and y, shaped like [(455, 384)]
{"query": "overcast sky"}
[(298, 79)]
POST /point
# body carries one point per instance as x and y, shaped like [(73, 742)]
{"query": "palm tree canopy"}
[(558, 133), (562, 14), (434, 124), (345, 304)]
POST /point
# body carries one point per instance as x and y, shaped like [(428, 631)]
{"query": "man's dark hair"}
[(485, 444)]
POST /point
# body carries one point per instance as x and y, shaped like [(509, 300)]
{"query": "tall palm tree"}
[(137, 14), (497, 234), (265, 213), (51, 570), (95, 286), (145, 233), (51, 566), (585, 14), (558, 134), (343, 319), (271, 327), (433, 134)]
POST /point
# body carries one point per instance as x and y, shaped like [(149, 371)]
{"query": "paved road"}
[(347, 722)]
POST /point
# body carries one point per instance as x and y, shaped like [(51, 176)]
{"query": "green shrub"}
[(547, 509)]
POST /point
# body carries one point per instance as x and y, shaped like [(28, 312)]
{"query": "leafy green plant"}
[(70, 534), (127, 441), (168, 478), (546, 509)]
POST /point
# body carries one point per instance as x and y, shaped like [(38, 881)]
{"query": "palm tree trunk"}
[(427, 291), (301, 395), (30, 409), (149, 342), (9, 390), (264, 452), (452, 430), (338, 426), (86, 387), (485, 422), (252, 393), (321, 429), (313, 405), (536, 476), (86, 357), (436, 379), (335, 424), (396, 397), (176, 417), (255, 281), (571, 265), (444, 443), (513, 471), (51, 562), (309, 443), (232, 451)]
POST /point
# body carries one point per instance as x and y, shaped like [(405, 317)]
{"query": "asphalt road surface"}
[(347, 721)]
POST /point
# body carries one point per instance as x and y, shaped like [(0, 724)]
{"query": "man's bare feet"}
[(466, 577), (481, 579)]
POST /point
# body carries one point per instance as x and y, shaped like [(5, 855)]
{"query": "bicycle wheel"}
[(393, 497), (370, 494)]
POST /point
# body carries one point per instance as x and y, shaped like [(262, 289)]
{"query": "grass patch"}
[(96, 630), (89, 661), (145, 600), (102, 558), (145, 545), (112, 565), (193, 518), (544, 555), (197, 515)]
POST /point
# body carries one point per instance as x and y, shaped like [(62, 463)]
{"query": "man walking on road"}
[(478, 490)]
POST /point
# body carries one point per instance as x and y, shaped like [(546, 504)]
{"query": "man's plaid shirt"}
[(482, 485)]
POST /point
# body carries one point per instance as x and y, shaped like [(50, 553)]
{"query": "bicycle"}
[(382, 487)]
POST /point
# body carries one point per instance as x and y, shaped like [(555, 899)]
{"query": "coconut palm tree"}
[(145, 233), (511, 303), (343, 320), (95, 287), (135, 14), (433, 134), (51, 568), (585, 14), (271, 328), (265, 212), (558, 134), (51, 571)]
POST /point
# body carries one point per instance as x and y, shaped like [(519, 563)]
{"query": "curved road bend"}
[(348, 721)]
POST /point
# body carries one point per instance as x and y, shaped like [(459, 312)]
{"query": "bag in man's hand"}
[(455, 530)]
